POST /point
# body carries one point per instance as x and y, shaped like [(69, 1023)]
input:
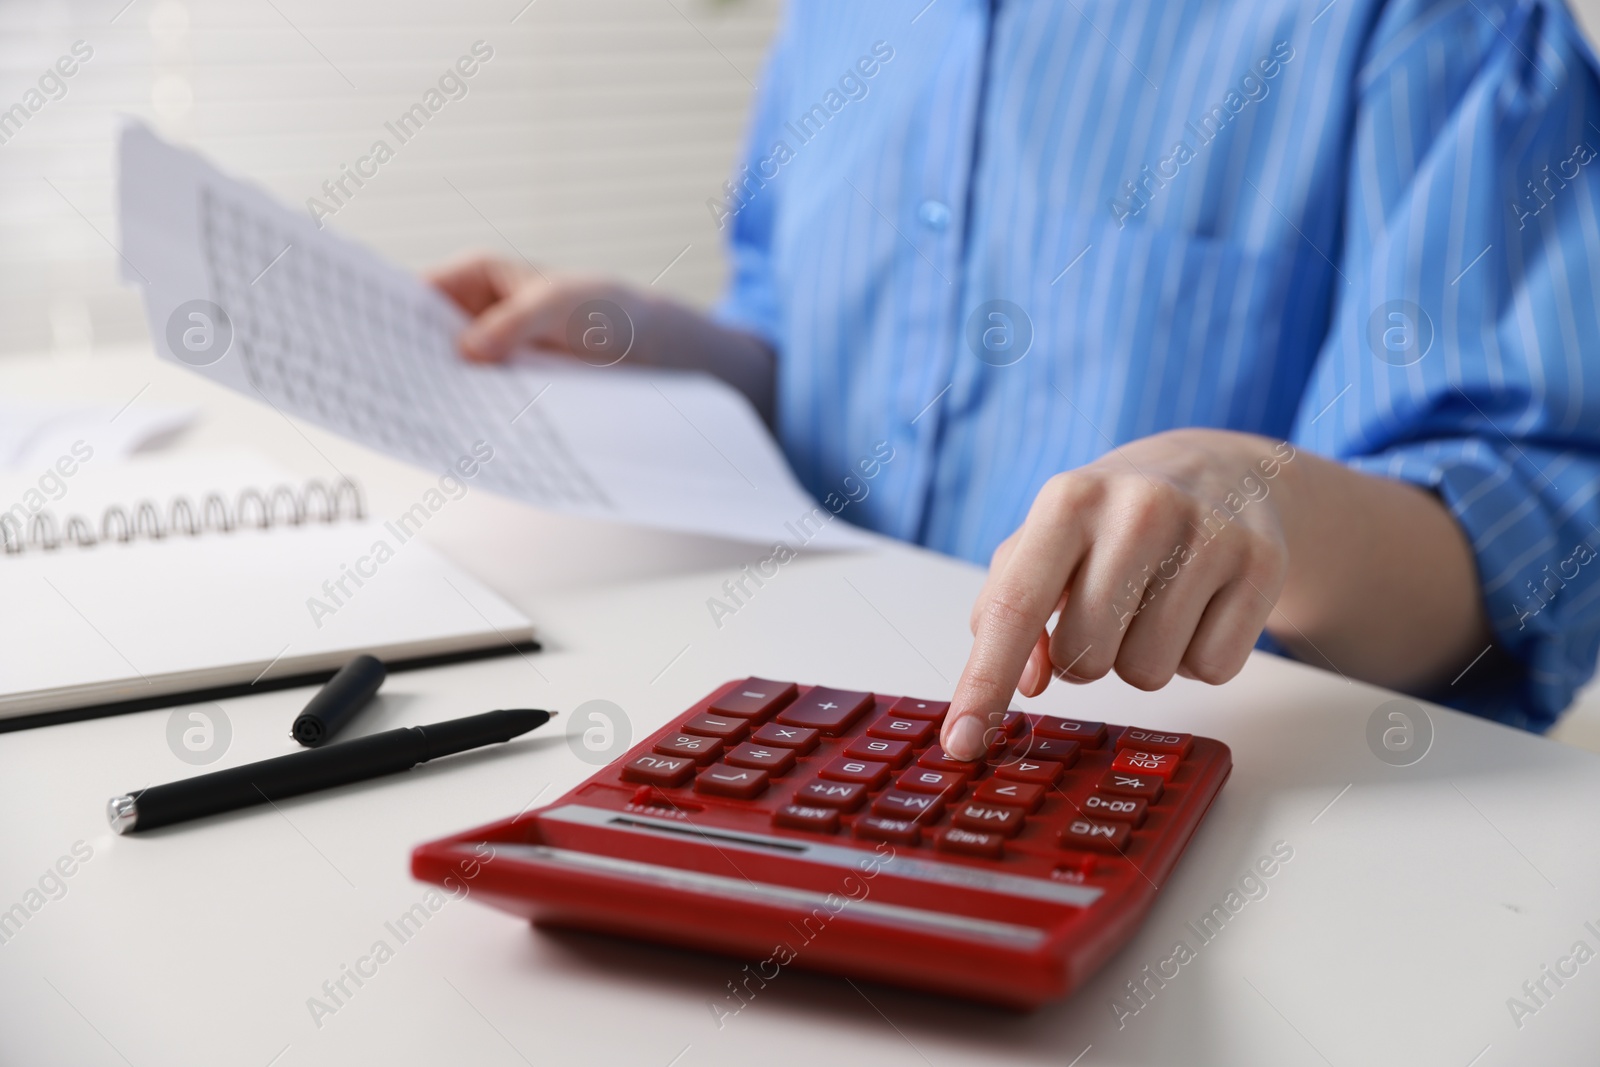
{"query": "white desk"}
[(1413, 907)]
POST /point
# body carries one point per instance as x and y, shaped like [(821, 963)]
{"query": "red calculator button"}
[(989, 818), (1050, 748), (830, 710), (917, 731), (908, 708), (755, 698), (882, 828), (658, 770), (1026, 795), (972, 843), (869, 773), (894, 753), (1154, 741), (1087, 734), (1130, 810), (723, 780), (1126, 784), (729, 728), (1158, 763), (796, 737), (898, 804), (774, 761), (928, 780), (846, 796), (936, 759), (1045, 772), (1096, 835), (1011, 723), (802, 817), (700, 749)]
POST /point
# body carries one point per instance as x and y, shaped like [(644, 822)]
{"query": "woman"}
[(1258, 321)]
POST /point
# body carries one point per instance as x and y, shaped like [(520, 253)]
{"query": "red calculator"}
[(826, 829)]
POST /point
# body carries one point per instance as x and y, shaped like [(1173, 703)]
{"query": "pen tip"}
[(524, 714)]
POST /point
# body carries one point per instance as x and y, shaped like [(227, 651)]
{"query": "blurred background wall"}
[(591, 140)]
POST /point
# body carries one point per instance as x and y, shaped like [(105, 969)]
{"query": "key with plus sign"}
[(832, 711)]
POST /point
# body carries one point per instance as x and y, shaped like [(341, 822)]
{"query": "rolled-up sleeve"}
[(1464, 350)]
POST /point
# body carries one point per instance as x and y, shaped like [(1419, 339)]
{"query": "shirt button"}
[(934, 215)]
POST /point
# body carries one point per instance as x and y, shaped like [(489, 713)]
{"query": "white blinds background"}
[(590, 141)]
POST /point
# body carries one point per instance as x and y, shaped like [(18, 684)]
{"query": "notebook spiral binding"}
[(280, 506)]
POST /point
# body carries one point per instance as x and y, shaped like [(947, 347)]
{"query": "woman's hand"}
[(513, 304), (1171, 554), (598, 320), (1163, 557)]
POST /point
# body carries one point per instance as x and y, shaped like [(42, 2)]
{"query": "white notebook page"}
[(125, 621)]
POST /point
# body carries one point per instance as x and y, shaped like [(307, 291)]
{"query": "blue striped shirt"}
[(1006, 236)]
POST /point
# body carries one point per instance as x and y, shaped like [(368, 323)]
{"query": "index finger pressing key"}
[(1019, 606)]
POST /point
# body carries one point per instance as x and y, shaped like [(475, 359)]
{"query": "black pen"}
[(315, 768)]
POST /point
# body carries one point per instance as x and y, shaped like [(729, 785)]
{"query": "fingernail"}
[(966, 738), (1030, 676)]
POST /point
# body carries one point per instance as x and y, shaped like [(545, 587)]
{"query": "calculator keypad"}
[(1053, 792)]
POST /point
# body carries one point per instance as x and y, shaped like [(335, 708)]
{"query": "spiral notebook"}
[(160, 581)]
